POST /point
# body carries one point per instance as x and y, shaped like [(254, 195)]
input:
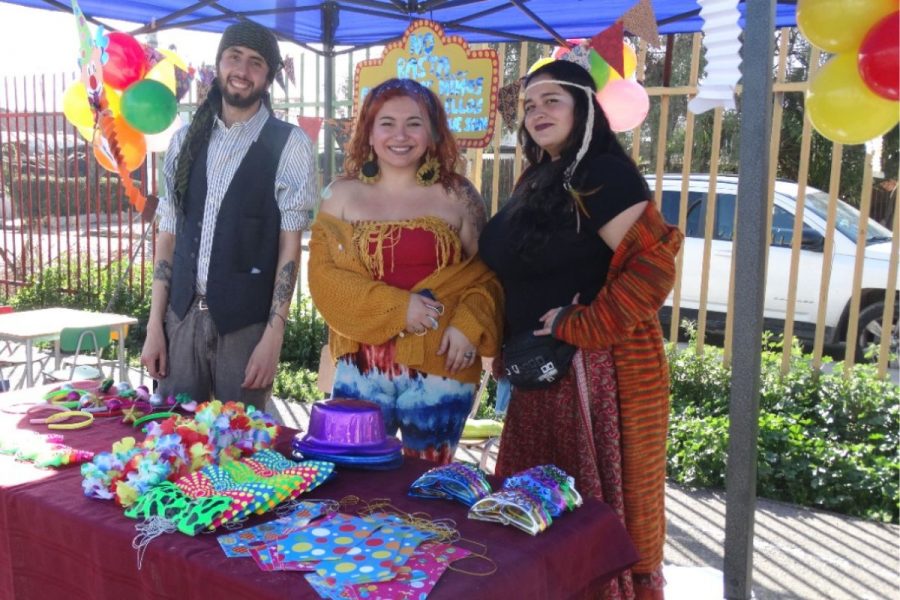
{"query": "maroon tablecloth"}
[(55, 543)]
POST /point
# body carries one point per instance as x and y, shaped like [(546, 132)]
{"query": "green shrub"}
[(293, 383), (45, 195), (826, 439), (304, 335), (96, 288)]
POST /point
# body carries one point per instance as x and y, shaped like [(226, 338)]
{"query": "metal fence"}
[(58, 203)]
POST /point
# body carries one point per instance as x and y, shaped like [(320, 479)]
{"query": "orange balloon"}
[(131, 143)]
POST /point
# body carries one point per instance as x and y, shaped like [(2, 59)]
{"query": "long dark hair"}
[(541, 204)]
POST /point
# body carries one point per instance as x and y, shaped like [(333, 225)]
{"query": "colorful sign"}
[(465, 80)]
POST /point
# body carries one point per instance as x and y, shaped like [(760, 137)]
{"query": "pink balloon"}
[(625, 103)]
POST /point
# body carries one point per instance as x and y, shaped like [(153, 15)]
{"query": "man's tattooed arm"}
[(162, 271), (284, 290)]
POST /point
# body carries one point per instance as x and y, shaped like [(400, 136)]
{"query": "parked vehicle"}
[(806, 307), (55, 154)]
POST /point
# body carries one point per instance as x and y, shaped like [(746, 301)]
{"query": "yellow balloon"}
[(540, 63), (163, 72), (78, 110), (629, 61), (176, 60), (113, 100), (87, 133), (76, 106), (842, 107), (614, 75), (840, 25)]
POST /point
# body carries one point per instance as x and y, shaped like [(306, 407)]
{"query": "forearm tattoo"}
[(284, 289), (163, 272)]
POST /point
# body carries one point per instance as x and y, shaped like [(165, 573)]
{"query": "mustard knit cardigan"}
[(360, 309)]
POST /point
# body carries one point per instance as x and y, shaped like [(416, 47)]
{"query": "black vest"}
[(244, 255)]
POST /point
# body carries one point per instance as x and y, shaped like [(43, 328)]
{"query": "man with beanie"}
[(239, 186)]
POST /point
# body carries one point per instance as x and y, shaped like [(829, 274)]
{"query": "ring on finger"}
[(469, 355), (439, 310), (433, 321)]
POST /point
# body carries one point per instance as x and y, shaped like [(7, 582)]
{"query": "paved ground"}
[(799, 553)]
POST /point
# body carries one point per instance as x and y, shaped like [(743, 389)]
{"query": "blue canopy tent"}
[(360, 23), (331, 27)]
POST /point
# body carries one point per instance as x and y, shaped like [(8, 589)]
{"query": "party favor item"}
[(345, 424), (427, 565), (513, 507), (376, 558), (328, 538), (265, 557), (388, 461), (421, 573), (546, 490), (456, 481), (45, 451), (175, 447), (551, 475), (238, 543), (350, 433)]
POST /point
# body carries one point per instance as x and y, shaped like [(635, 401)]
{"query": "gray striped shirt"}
[(295, 180)]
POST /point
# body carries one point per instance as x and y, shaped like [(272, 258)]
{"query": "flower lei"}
[(180, 445), (44, 450)]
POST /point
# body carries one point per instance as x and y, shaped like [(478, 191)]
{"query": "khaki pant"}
[(204, 364)]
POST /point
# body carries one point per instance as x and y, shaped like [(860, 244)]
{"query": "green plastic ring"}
[(151, 417)]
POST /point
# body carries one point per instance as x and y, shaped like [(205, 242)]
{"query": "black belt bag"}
[(534, 362)]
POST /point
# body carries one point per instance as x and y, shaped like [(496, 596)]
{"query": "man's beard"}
[(240, 101)]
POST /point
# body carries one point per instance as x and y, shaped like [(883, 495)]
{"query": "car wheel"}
[(869, 331)]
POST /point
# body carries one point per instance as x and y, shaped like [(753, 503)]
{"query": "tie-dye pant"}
[(430, 411)]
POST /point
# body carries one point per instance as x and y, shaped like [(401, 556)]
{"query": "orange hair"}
[(443, 144)]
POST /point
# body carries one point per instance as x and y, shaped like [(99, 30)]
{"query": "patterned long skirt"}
[(553, 426)]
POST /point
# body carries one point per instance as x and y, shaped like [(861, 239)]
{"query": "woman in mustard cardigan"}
[(393, 268)]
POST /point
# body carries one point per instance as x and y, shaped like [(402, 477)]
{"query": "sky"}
[(45, 42)]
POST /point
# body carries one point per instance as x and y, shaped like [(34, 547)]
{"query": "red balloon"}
[(127, 62), (879, 57)]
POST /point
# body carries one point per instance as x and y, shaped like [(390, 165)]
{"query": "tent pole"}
[(329, 25), (750, 253)]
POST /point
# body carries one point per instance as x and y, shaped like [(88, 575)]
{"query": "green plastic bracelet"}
[(151, 417)]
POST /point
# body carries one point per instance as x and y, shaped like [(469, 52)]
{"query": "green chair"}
[(479, 436), (78, 354)]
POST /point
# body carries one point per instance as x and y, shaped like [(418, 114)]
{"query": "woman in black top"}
[(552, 246)]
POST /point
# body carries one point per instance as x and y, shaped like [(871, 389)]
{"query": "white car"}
[(875, 267)]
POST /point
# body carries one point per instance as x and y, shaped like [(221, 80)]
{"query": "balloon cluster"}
[(854, 96), (624, 100), (140, 85)]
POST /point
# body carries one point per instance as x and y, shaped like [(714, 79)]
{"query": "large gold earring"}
[(429, 172), (369, 171)]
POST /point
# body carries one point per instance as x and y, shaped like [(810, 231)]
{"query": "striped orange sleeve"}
[(642, 274)]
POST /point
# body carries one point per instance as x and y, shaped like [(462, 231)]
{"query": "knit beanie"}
[(256, 37)]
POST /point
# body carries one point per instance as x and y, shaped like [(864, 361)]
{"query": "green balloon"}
[(149, 106), (599, 69)]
